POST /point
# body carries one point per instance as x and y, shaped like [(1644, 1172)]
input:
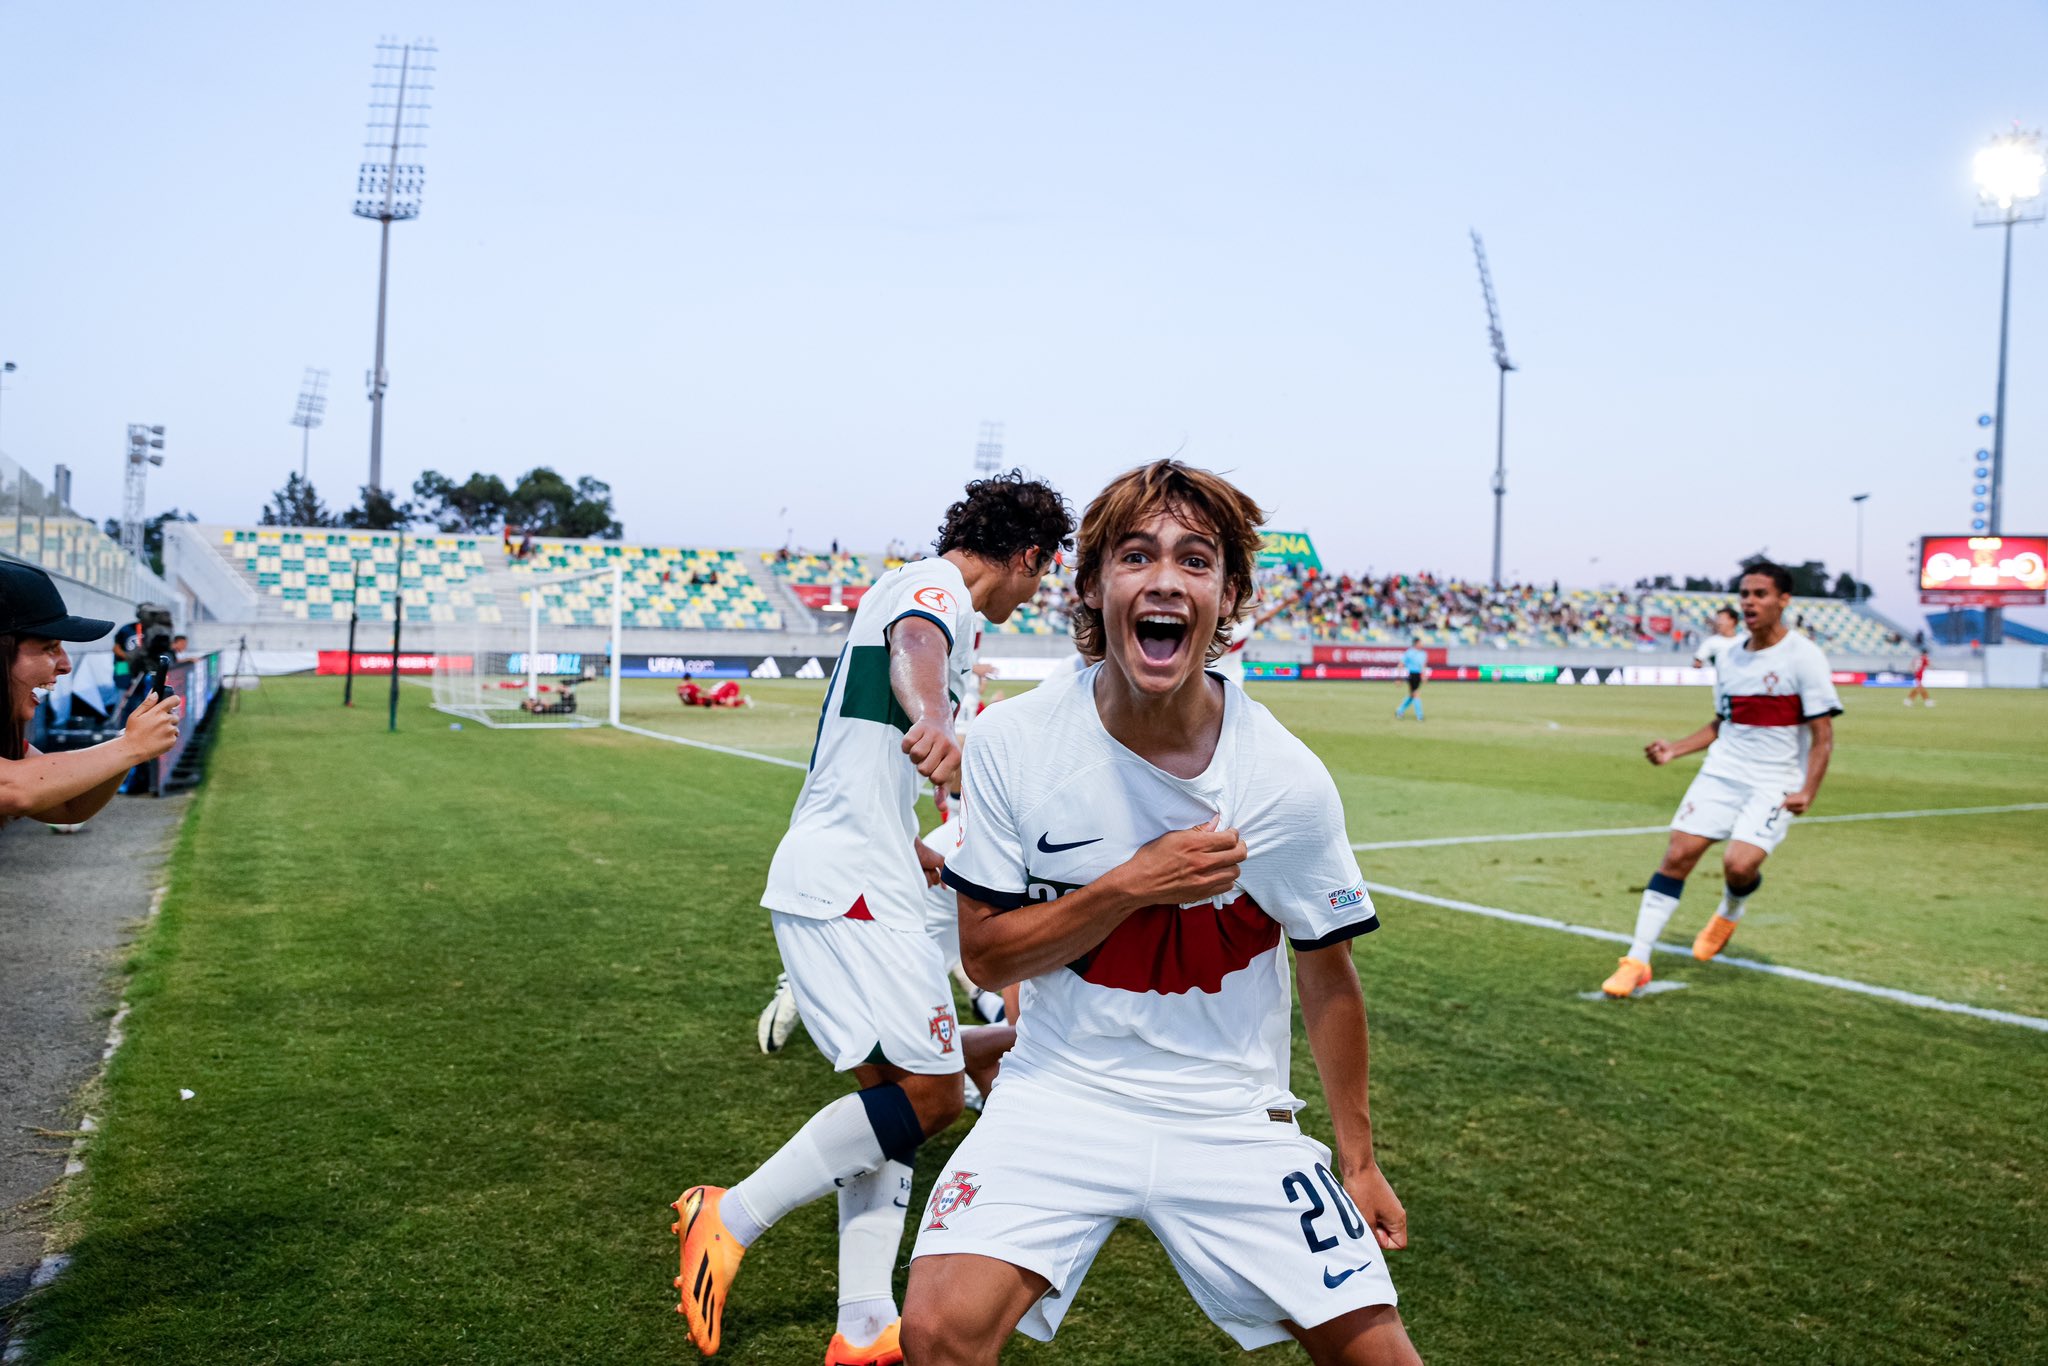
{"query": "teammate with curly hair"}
[(847, 893)]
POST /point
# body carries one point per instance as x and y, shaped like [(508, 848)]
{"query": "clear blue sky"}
[(739, 258)]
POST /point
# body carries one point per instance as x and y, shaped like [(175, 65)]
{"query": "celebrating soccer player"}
[(847, 889), (1724, 639), (1767, 751), (1139, 838)]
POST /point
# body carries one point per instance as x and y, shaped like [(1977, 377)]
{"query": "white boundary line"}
[(1661, 829), (706, 744), (1544, 922), (1893, 994)]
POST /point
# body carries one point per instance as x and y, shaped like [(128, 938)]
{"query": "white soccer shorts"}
[(870, 994), (1717, 809), (1248, 1208)]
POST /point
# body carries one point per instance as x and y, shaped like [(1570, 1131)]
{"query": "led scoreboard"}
[(1984, 571)]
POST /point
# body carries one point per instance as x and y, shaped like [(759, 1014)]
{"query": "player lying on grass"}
[(62, 789), (847, 891), (727, 694), (1767, 750), (1139, 838)]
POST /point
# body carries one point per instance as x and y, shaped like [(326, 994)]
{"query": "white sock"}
[(872, 1210), (834, 1144), (1651, 919), (1731, 906)]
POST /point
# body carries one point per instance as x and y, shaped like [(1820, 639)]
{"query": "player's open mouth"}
[(1159, 636)]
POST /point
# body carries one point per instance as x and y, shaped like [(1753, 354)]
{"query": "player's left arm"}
[(918, 651), (1333, 1012), (1820, 748), (1817, 700)]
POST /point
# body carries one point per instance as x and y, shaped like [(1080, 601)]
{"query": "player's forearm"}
[(44, 784), (1333, 1015), (1821, 750), (1697, 741), (999, 948), (917, 668)]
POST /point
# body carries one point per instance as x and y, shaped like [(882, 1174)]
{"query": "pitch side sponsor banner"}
[(726, 666), (379, 662), (1374, 654)]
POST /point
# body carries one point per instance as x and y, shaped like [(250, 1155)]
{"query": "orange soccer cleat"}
[(1713, 936), (711, 1258), (885, 1350), (1630, 976)]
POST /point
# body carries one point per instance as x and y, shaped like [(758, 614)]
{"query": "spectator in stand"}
[(179, 644), (62, 789)]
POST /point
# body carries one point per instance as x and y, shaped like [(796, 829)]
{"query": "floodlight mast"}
[(312, 408), (145, 448), (1500, 429), (388, 191), (988, 452), (2009, 173)]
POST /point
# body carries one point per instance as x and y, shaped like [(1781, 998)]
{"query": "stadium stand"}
[(1346, 610), (302, 574), (313, 574), (674, 588)]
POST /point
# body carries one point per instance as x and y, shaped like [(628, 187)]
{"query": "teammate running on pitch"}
[(1414, 663), (1139, 839), (1767, 751), (847, 890), (1724, 639)]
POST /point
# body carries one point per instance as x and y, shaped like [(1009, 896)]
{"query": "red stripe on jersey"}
[(1764, 711), (860, 910), (1170, 951)]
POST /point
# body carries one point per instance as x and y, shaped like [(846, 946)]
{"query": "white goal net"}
[(491, 681)]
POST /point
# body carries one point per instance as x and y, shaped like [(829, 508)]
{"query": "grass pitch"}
[(463, 1010)]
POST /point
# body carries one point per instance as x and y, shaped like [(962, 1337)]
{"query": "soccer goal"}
[(536, 689)]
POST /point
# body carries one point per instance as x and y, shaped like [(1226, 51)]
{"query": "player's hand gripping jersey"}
[(852, 834), (1764, 699), (1182, 1011)]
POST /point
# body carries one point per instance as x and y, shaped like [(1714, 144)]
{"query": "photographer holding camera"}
[(63, 789)]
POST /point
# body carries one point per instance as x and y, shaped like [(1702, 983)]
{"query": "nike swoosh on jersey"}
[(1332, 1282), (1046, 847)]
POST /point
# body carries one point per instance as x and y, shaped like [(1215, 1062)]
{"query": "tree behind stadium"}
[(542, 502)]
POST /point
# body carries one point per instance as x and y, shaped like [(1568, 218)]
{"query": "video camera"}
[(152, 637)]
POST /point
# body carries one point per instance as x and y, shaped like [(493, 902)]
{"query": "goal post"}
[(510, 689)]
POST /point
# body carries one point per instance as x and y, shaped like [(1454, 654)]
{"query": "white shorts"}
[(942, 903), (1717, 809), (1247, 1207), (870, 994)]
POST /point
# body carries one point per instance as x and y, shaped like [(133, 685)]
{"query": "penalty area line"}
[(716, 749), (1665, 829), (1892, 994)]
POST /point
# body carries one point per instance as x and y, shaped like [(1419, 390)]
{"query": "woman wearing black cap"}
[(60, 788)]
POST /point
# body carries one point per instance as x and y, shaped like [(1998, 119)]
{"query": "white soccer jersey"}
[(851, 836), (1181, 1011), (1708, 656), (1764, 699)]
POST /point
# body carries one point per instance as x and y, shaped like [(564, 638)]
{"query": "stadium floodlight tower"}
[(988, 452), (312, 407), (2009, 172), (1500, 426), (145, 448), (388, 190)]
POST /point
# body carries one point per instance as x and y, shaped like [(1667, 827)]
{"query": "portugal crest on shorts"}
[(944, 1028), (950, 1197)]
